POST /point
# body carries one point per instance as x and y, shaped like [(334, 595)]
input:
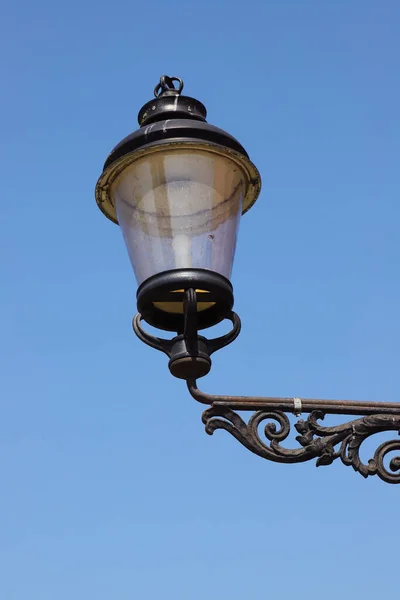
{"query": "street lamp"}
[(177, 187)]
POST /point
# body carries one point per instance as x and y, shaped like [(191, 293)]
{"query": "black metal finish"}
[(173, 130), (166, 87), (171, 107), (163, 288), (172, 117), (188, 352), (315, 440), (169, 104)]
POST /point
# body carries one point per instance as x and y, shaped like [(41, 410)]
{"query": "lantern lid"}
[(169, 130), (170, 104), (175, 121)]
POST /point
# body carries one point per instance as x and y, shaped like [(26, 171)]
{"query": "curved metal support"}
[(151, 340), (315, 440), (224, 340), (189, 353)]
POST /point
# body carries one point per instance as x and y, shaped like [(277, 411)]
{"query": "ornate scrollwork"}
[(315, 440)]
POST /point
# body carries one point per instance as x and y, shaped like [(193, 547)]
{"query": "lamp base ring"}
[(160, 298)]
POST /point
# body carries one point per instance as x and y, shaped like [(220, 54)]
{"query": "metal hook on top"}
[(166, 87)]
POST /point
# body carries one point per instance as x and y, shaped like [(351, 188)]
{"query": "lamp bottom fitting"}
[(189, 360)]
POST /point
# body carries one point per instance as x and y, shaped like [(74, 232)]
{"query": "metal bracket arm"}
[(314, 440)]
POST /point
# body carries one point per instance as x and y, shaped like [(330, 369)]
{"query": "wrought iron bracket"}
[(189, 358), (315, 441)]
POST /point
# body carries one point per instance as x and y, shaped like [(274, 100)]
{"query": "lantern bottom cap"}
[(160, 298)]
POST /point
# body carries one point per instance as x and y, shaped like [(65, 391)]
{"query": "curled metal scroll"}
[(315, 440)]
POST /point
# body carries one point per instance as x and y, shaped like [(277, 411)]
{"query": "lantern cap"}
[(170, 117), (179, 130), (168, 122), (169, 104)]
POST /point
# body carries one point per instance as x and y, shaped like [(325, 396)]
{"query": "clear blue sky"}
[(109, 486)]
